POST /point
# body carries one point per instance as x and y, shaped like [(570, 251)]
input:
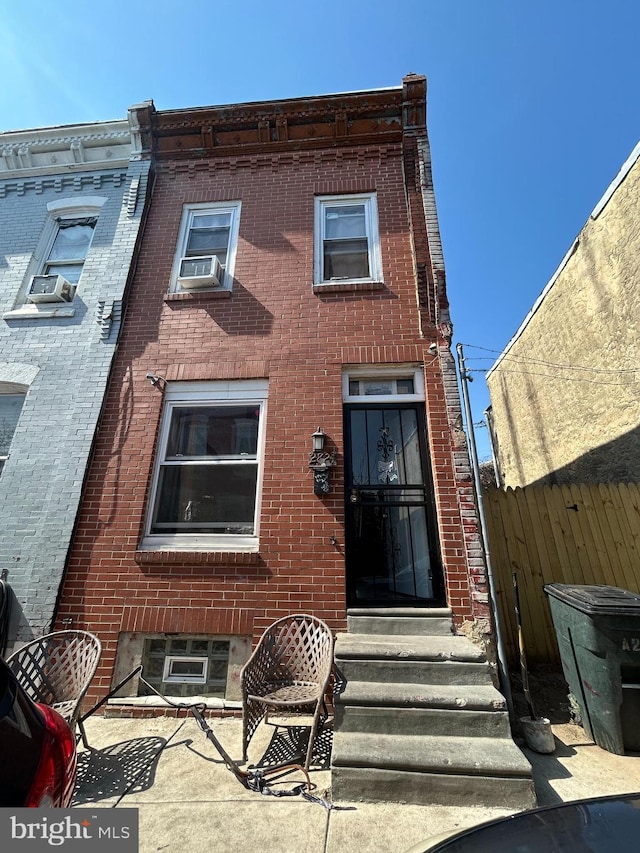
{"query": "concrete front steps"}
[(418, 719)]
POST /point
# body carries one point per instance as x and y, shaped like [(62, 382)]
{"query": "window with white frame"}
[(382, 383), (347, 243), (69, 248), (207, 245), (60, 256), (188, 670), (209, 466), (11, 401)]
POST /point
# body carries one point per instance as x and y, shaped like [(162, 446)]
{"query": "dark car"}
[(599, 825), (37, 750)]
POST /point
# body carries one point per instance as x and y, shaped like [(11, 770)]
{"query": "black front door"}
[(392, 556)]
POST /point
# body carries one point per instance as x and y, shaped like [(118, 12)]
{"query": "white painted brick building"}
[(72, 201)]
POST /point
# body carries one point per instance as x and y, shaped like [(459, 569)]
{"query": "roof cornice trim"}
[(65, 149), (293, 124)]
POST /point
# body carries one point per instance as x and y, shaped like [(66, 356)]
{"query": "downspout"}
[(503, 671)]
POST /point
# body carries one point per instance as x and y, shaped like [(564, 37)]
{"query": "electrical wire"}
[(552, 376), (256, 779), (528, 360)]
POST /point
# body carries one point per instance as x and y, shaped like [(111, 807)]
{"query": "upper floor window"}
[(61, 253), (207, 246), (347, 243), (69, 249), (208, 470), (11, 402)]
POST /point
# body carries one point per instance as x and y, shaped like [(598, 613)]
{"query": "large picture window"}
[(208, 471), (347, 246)]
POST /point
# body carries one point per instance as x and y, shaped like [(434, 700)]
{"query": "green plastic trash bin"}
[(598, 631)]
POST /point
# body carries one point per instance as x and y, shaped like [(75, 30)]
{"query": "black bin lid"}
[(596, 600)]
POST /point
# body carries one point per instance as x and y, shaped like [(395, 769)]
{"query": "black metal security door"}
[(392, 556)]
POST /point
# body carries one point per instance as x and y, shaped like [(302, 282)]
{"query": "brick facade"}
[(58, 354), (274, 158)]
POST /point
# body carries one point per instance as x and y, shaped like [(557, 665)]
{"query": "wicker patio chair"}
[(288, 673), (57, 670)]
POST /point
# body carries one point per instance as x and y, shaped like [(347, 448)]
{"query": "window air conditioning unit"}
[(50, 288), (200, 272)]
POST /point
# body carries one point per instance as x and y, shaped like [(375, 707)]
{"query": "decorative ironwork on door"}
[(391, 553)]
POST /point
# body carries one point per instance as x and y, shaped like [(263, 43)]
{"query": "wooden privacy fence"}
[(580, 534)]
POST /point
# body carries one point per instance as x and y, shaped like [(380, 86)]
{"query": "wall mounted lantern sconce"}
[(321, 462)]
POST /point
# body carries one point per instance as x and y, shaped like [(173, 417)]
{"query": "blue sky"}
[(532, 107)]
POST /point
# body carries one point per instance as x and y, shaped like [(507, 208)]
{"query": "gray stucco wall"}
[(578, 422), (64, 362)]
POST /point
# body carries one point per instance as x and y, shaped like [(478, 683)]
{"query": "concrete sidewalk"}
[(189, 800)]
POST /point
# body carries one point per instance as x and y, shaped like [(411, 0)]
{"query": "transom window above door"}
[(347, 243), (379, 384), (377, 387)]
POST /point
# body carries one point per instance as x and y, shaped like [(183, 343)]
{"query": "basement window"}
[(185, 670), (185, 666)]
